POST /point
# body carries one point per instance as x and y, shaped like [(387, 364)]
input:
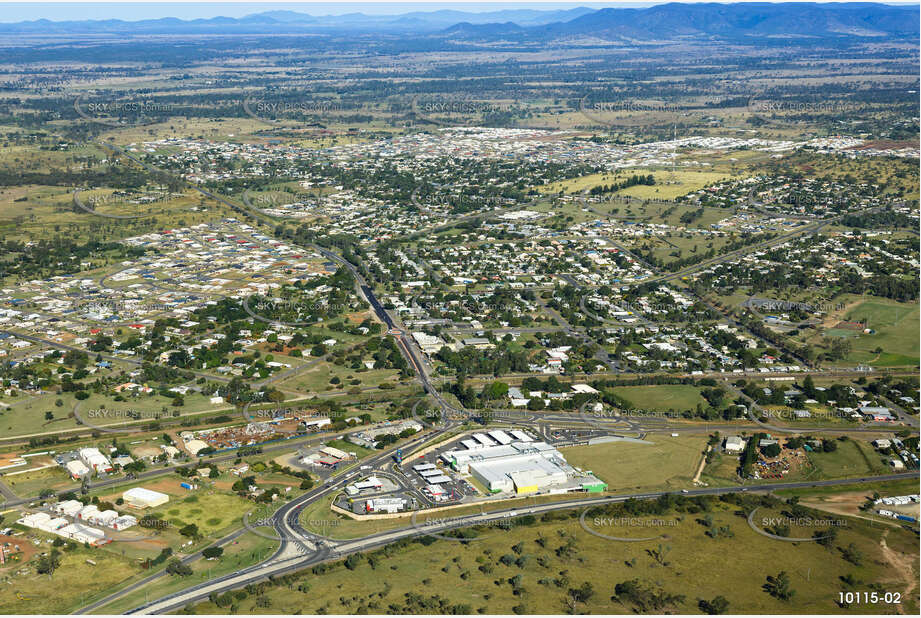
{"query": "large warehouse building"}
[(521, 473), (460, 459), (141, 498), (518, 467)]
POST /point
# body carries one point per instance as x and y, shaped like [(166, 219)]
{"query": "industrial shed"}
[(141, 498)]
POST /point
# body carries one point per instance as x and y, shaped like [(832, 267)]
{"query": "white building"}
[(334, 452), (316, 423), (77, 469), (734, 444), (82, 534), (88, 512), (124, 522), (95, 460), (521, 473), (142, 498), (69, 508), (428, 343), (52, 524), (32, 520), (194, 446), (385, 505), (104, 518)]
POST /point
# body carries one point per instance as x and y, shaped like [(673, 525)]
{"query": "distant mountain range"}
[(675, 21), (291, 22)]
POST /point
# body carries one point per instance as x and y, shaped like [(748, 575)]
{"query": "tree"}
[(190, 530), (212, 552), (852, 554), (826, 538), (779, 586), (771, 450), (352, 562), (809, 388), (176, 567), (47, 564), (717, 605), (583, 593)]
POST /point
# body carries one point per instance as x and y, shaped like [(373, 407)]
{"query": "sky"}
[(127, 10), (64, 11)]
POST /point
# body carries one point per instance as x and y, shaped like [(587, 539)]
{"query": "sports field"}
[(895, 326)]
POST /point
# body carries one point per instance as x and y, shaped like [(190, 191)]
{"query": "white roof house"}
[(52, 525), (32, 520), (104, 518), (334, 452), (194, 446), (171, 451)]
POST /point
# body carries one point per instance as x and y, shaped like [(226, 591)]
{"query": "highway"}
[(404, 343)]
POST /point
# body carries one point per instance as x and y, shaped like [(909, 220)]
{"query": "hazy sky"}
[(63, 11)]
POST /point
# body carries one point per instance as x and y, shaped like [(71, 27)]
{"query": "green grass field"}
[(851, 458), (894, 342), (669, 183), (668, 463), (662, 397), (316, 379), (31, 483), (896, 332), (665, 248), (26, 416)]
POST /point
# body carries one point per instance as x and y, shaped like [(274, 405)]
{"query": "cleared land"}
[(667, 463), (662, 397)]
